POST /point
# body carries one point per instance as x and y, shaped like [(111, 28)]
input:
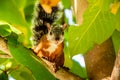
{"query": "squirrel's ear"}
[(48, 26), (64, 26)]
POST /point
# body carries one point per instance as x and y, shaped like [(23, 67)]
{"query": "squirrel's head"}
[(56, 33)]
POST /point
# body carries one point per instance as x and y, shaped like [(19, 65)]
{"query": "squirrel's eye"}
[(50, 33), (62, 33)]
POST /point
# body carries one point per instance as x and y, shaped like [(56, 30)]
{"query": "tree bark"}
[(116, 70), (100, 61), (62, 73)]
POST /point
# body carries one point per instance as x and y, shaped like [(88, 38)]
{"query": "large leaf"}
[(26, 57), (98, 25), (12, 13)]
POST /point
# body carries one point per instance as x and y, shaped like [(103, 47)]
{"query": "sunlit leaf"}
[(10, 13), (115, 7), (66, 3), (2, 61), (13, 14), (98, 25)]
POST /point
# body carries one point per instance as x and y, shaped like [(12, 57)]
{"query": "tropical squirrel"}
[(48, 29), (51, 45)]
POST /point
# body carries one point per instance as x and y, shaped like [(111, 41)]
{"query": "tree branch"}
[(61, 74), (116, 70), (115, 75), (100, 61)]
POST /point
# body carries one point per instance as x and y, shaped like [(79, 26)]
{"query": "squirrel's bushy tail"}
[(40, 18)]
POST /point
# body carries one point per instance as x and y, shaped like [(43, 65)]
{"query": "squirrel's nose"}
[(57, 38)]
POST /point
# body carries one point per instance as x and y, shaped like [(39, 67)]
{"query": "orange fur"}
[(51, 3), (56, 57), (48, 4)]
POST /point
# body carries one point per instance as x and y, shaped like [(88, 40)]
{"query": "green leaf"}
[(98, 25), (28, 2), (13, 38), (26, 57), (29, 12), (79, 70), (5, 30), (9, 12), (13, 13), (116, 40), (66, 3), (22, 74), (20, 3), (2, 61), (118, 20)]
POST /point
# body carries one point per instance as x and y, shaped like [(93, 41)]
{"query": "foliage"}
[(97, 19), (101, 21)]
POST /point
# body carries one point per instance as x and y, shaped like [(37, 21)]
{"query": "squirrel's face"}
[(56, 34)]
